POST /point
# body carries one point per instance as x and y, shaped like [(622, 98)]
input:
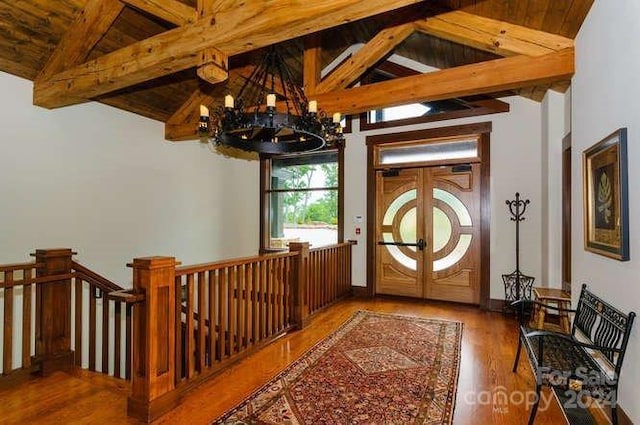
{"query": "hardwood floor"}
[(488, 392)]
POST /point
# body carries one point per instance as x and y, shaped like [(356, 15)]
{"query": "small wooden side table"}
[(561, 299)]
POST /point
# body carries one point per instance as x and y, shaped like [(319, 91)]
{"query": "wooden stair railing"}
[(176, 327), (329, 275), (197, 320), (99, 291), (55, 287)]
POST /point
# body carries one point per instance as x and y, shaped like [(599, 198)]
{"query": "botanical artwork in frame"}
[(606, 198)]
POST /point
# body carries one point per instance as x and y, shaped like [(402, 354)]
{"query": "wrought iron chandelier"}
[(286, 123)]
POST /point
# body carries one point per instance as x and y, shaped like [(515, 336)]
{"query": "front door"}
[(428, 232)]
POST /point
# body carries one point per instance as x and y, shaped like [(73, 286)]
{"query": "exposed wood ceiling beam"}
[(84, 33), (169, 10), (490, 35), (376, 49), (214, 65), (311, 63), (189, 111), (248, 26), (479, 78)]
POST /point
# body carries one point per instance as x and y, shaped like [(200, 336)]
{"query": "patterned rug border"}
[(352, 321)]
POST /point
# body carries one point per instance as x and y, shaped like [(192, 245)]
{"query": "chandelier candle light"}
[(248, 123)]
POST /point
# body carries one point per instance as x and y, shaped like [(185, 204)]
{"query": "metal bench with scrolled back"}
[(583, 365)]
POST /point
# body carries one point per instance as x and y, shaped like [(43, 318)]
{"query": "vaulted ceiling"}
[(161, 59)]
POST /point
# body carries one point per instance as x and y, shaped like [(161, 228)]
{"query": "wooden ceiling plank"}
[(169, 10), (311, 63), (554, 17), (371, 53), (248, 26), (490, 35), (536, 11), (480, 78), (575, 16), (83, 34)]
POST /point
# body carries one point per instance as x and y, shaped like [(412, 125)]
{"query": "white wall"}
[(605, 91), (515, 167), (105, 183), (553, 131)]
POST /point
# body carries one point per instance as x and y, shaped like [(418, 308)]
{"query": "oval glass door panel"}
[(408, 224), (443, 230), (397, 203), (402, 220), (398, 255)]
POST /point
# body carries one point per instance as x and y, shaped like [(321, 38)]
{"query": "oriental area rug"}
[(375, 369)]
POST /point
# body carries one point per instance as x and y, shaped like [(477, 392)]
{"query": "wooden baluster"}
[(300, 283), (274, 296), (310, 277), (242, 307), (190, 331), (321, 284), (310, 300), (283, 292), (92, 328), (349, 266), (154, 362), (53, 311), (289, 293), (105, 333), (279, 291), (117, 337), (264, 299), (248, 271), (180, 372), (270, 297), (128, 341), (341, 267), (213, 332), (231, 299), (256, 305), (78, 320), (330, 276), (334, 274), (323, 279), (330, 270), (26, 320), (7, 357), (202, 315), (222, 314), (343, 279), (327, 280)]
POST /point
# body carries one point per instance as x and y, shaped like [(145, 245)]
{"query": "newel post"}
[(153, 341), (53, 310), (300, 283)]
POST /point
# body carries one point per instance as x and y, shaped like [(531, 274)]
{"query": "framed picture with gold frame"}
[(606, 197)]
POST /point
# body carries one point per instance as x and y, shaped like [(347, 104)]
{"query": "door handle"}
[(420, 244)]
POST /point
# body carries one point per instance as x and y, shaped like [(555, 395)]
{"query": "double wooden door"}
[(428, 233)]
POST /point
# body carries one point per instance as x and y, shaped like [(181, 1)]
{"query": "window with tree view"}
[(302, 194)]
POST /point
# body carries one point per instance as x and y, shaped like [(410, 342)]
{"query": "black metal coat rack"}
[(517, 284)]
